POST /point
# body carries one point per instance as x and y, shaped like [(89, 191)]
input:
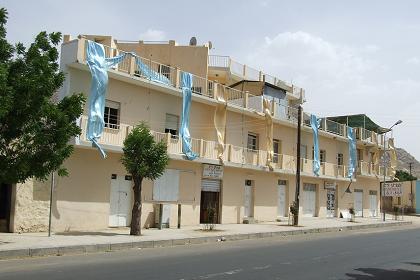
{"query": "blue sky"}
[(350, 56)]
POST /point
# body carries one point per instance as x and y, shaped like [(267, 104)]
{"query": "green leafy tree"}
[(34, 130), (144, 159), (402, 176)]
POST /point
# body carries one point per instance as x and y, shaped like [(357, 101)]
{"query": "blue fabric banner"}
[(98, 65), (316, 164), (352, 152), (186, 84), (145, 71)]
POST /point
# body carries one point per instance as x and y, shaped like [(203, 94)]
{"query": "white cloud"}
[(413, 60), (153, 35), (340, 79)]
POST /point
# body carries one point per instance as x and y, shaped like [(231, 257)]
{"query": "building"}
[(252, 179)]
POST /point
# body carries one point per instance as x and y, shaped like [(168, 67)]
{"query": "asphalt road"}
[(371, 254)]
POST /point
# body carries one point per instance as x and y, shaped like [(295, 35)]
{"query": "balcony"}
[(74, 51), (245, 72), (207, 152)]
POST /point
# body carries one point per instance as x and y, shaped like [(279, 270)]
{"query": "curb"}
[(98, 248)]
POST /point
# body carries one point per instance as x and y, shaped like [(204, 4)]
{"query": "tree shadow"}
[(90, 233), (384, 274)]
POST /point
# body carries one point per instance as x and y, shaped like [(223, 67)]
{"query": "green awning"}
[(360, 120)]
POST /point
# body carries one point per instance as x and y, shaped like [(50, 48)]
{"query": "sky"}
[(351, 57)]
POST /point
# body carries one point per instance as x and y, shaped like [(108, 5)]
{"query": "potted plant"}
[(352, 214)]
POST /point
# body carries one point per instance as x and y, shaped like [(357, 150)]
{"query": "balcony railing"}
[(233, 154), (204, 87)]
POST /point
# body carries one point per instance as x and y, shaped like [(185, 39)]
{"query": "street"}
[(369, 254)]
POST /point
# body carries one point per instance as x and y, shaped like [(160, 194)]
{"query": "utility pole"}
[(297, 192), (411, 186), (51, 202)]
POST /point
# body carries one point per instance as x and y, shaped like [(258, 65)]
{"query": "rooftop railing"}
[(250, 73), (171, 76)]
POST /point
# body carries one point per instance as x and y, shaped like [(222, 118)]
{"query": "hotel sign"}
[(213, 171), (392, 189)]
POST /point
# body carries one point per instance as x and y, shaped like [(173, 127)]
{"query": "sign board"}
[(213, 171), (329, 185), (392, 189)]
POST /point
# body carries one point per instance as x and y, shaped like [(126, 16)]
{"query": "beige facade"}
[(83, 201)]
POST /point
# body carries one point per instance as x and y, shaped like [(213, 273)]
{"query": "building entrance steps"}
[(14, 245)]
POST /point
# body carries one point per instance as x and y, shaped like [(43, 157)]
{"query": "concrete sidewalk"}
[(14, 245)]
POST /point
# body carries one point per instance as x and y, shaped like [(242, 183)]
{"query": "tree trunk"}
[(135, 228)]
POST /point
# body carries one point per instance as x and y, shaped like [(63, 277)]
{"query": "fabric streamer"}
[(220, 120), (186, 85), (352, 152), (98, 65), (269, 132), (145, 71), (315, 124)]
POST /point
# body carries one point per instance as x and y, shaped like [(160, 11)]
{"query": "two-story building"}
[(251, 180)]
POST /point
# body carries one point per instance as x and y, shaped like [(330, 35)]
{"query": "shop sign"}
[(392, 189), (213, 171)]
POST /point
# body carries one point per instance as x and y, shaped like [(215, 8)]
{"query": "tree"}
[(402, 176), (143, 158), (34, 130)]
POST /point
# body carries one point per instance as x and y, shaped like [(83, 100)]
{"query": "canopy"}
[(360, 120)]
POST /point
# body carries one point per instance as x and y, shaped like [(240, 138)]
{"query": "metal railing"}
[(219, 61)]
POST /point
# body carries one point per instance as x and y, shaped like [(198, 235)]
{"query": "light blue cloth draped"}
[(315, 124), (98, 65), (186, 84), (145, 71), (352, 152)]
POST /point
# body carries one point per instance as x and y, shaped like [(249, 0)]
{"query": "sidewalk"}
[(14, 245)]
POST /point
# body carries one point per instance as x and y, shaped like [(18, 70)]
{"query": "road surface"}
[(370, 254)]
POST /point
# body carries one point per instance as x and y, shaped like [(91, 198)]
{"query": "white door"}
[(309, 200), (120, 201), (373, 204), (358, 203), (249, 201), (330, 203), (281, 200)]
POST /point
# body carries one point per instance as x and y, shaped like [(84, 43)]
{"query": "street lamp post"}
[(384, 162)]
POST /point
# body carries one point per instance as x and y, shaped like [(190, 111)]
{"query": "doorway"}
[(309, 200), (358, 203), (210, 201), (249, 199), (330, 203), (120, 201), (5, 206), (281, 198), (373, 203)]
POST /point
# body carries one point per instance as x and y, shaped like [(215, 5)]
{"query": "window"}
[(340, 159), (359, 154), (276, 150), (304, 151), (165, 70), (252, 142), (322, 155), (171, 124), (112, 114)]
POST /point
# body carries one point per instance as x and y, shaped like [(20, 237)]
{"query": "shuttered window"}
[(166, 187), (171, 124)]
